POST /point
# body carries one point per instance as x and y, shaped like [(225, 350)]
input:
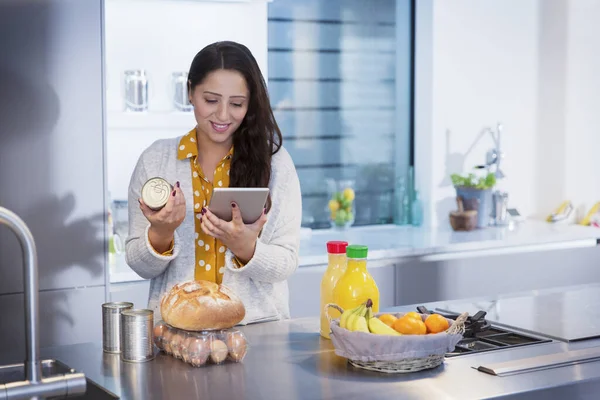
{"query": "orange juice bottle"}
[(356, 285), (336, 252)]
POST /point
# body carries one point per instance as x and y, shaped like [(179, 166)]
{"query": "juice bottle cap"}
[(357, 251), (336, 247)]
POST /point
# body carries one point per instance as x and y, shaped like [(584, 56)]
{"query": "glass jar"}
[(340, 203)]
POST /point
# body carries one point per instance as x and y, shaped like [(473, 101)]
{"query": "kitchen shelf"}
[(150, 120)]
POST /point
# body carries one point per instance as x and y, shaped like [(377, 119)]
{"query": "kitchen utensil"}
[(111, 325), (136, 90), (542, 362), (464, 220), (179, 91), (136, 335)]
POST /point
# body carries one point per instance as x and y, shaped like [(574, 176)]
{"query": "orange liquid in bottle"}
[(357, 285), (337, 266)]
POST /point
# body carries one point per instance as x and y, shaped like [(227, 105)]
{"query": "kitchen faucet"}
[(495, 155), (34, 384), (33, 368)]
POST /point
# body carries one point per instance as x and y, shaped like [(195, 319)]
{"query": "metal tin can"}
[(111, 325), (136, 335), (156, 192)]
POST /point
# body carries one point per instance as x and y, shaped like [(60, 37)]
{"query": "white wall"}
[(163, 36), (530, 64), (476, 66), (582, 133)]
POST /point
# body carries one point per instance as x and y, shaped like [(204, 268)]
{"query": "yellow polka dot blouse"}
[(210, 252)]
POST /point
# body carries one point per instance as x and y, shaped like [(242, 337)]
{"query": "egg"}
[(185, 354), (159, 331), (176, 342), (218, 351), (198, 350), (166, 340), (237, 345)]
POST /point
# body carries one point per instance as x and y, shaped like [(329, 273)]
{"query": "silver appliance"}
[(500, 215)]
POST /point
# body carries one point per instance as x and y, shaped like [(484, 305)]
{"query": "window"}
[(340, 81)]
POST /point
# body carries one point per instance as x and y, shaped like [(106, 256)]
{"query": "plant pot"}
[(484, 200)]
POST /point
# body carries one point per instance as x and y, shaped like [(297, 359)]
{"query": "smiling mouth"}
[(220, 127)]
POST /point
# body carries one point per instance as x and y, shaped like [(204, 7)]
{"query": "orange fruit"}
[(435, 323), (388, 319), (410, 326), (413, 314)]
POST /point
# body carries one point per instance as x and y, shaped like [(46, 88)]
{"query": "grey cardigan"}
[(262, 282)]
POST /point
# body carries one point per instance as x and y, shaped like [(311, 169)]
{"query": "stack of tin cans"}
[(127, 331)]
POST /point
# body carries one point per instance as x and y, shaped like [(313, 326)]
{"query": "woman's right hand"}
[(164, 221)]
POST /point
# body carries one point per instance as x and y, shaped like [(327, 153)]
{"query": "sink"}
[(51, 368), (37, 378)]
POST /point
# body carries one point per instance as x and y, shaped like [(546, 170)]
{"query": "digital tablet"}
[(251, 202)]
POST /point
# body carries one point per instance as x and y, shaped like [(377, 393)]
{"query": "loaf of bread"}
[(201, 305)]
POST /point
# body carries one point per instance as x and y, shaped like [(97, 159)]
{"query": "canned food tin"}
[(156, 192), (136, 335), (111, 325)]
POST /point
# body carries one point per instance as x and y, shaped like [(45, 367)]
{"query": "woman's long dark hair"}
[(258, 137)]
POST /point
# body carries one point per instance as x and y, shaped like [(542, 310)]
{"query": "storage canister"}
[(111, 322), (137, 343)]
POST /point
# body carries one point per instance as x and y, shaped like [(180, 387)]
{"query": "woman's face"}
[(220, 104)]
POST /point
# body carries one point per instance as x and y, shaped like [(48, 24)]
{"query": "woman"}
[(235, 143)]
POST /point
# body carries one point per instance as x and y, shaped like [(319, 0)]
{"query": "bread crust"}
[(201, 305)]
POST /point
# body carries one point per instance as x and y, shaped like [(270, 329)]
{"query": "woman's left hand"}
[(237, 236)]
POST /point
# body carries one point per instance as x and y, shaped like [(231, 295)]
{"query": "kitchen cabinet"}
[(134, 292)]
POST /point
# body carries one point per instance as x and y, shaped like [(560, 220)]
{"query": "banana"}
[(360, 325), (352, 321), (560, 210), (378, 327), (358, 320), (588, 218), (347, 314), (352, 318)]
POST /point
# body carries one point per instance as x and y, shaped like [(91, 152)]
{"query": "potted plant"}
[(471, 186)]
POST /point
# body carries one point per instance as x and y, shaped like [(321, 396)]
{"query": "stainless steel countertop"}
[(563, 315), (288, 360)]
